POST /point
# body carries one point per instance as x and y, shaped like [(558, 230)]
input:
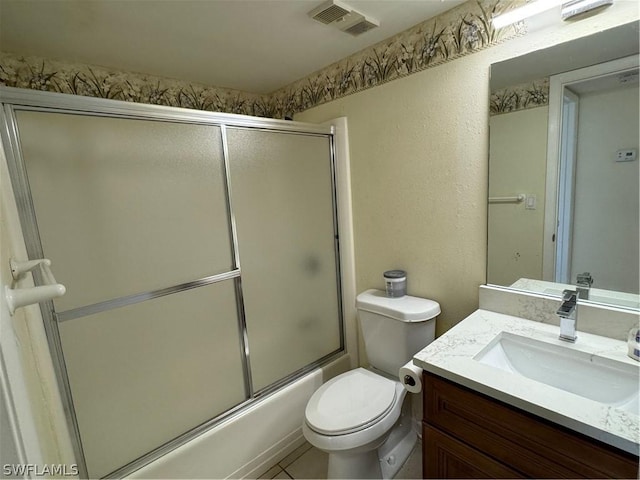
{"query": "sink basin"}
[(597, 378)]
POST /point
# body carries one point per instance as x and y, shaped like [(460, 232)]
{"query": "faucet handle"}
[(569, 296)]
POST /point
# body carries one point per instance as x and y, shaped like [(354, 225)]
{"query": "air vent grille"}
[(360, 27), (340, 15), (628, 77), (329, 12)]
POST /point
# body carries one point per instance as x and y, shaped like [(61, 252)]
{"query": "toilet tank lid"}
[(405, 309)]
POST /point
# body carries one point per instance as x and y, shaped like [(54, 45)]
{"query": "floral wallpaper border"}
[(520, 97), (460, 31), (42, 74)]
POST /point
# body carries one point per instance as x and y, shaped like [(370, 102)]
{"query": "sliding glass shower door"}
[(124, 209), (200, 262), (280, 184)]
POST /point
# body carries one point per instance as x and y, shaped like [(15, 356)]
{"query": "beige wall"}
[(419, 160), (518, 153), (418, 169)]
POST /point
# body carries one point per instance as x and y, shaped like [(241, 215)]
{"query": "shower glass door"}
[(126, 210), (200, 257), (281, 186)]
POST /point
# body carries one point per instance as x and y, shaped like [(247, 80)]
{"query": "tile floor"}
[(309, 462)]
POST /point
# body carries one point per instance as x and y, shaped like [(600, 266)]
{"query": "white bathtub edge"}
[(271, 457), (249, 444)]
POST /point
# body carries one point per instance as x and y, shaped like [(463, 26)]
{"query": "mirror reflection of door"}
[(567, 167), (593, 147)]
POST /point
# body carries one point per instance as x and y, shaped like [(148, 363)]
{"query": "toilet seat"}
[(350, 402)]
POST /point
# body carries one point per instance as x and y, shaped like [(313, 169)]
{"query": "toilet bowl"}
[(362, 418), (353, 432)]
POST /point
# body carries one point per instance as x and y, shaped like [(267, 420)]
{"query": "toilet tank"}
[(395, 329)]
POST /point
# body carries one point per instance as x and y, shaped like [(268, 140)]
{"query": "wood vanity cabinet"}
[(470, 435)]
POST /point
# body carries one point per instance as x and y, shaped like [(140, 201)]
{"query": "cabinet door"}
[(445, 457), (531, 445)]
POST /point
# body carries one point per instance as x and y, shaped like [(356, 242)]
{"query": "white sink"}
[(603, 380)]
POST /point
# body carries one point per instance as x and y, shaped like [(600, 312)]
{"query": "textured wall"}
[(418, 166)]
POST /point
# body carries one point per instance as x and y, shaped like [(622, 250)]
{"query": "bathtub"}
[(251, 442)]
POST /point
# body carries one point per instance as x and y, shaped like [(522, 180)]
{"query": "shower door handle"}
[(21, 297)]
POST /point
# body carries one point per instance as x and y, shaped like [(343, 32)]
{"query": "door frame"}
[(557, 86)]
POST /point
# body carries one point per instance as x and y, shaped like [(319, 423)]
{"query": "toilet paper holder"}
[(409, 380), (410, 376)]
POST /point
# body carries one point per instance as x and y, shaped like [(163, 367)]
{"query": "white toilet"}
[(361, 418)]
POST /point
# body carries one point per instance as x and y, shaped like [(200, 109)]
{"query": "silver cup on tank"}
[(395, 282)]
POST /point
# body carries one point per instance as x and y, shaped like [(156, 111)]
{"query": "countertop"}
[(608, 297), (452, 356)]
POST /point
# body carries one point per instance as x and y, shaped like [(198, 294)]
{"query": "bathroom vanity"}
[(504, 398), (469, 435)]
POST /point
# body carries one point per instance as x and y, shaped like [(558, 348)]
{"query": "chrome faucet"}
[(568, 313), (584, 282)]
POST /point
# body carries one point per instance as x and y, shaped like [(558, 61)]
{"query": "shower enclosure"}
[(200, 255)]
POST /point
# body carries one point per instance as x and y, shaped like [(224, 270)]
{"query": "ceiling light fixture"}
[(526, 11), (571, 9), (575, 9)]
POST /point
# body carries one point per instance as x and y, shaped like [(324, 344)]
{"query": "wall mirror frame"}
[(525, 256)]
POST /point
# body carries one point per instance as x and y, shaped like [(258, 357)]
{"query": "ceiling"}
[(251, 45)]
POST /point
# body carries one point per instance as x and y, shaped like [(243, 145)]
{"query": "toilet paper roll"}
[(411, 377)]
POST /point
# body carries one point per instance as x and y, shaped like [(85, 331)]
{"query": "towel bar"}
[(22, 297), (515, 199)]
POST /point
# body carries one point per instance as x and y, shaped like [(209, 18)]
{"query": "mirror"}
[(563, 169)]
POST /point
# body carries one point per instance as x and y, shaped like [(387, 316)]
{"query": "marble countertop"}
[(452, 356), (609, 297)]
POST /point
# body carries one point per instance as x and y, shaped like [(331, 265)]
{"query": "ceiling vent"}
[(329, 12), (343, 17), (356, 23), (628, 77)]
